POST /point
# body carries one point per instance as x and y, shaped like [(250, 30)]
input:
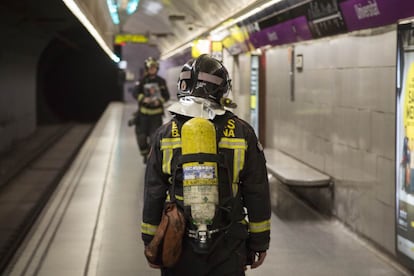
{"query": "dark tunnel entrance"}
[(76, 79)]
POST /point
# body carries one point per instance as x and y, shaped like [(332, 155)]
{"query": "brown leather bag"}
[(165, 247)]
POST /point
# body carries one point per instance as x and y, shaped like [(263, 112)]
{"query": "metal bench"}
[(313, 186), (291, 171)]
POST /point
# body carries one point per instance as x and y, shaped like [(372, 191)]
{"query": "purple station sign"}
[(289, 31), (320, 18), (362, 14)]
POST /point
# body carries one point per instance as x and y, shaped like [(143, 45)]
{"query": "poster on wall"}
[(405, 143), (364, 14), (254, 93)]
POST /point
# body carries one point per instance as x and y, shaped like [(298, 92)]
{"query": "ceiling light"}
[(120, 9), (177, 50), (152, 7), (73, 7), (132, 6), (113, 11), (229, 23)]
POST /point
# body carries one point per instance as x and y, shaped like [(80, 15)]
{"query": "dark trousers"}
[(227, 259), (145, 127)]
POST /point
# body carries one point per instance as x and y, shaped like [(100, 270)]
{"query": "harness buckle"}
[(202, 235)]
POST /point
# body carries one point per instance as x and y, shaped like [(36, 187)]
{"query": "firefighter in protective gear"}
[(239, 232), (151, 93)]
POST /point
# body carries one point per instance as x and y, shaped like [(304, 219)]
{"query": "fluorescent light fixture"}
[(132, 6), (176, 51), (73, 7), (244, 16), (203, 46), (216, 33), (113, 11), (152, 7), (406, 21), (116, 7), (219, 36), (123, 64)]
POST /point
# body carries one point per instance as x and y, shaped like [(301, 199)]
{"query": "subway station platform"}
[(91, 225)]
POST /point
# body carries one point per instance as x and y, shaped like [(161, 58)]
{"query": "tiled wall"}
[(342, 121), (239, 70)]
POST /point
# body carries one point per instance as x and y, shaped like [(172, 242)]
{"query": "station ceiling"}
[(170, 23), (167, 23)]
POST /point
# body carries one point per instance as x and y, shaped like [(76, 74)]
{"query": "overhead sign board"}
[(130, 38), (361, 14), (286, 32)]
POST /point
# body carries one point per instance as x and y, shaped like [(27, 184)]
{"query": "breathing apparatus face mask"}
[(197, 107)]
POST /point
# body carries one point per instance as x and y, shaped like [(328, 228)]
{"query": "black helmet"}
[(150, 61), (204, 77)]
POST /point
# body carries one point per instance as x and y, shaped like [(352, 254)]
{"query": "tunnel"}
[(76, 80)]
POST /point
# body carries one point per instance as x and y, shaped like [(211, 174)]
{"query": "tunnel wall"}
[(75, 83), (342, 121), (27, 31), (18, 89)]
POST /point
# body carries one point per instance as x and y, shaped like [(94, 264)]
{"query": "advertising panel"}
[(320, 18), (254, 93), (362, 14), (405, 144), (303, 21), (286, 32)]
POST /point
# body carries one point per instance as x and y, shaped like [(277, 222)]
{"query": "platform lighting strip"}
[(132, 6), (88, 25), (244, 16), (177, 50), (115, 6), (406, 21), (224, 26), (113, 11)]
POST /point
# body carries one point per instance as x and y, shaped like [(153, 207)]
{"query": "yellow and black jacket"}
[(242, 179), (140, 92)]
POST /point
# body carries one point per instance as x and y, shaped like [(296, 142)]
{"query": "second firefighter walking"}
[(151, 93)]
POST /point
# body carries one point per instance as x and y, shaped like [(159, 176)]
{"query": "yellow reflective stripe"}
[(167, 146), (239, 147), (233, 143), (167, 155), (235, 188), (239, 155), (140, 97), (148, 229), (258, 227), (176, 197), (151, 111), (170, 143)]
